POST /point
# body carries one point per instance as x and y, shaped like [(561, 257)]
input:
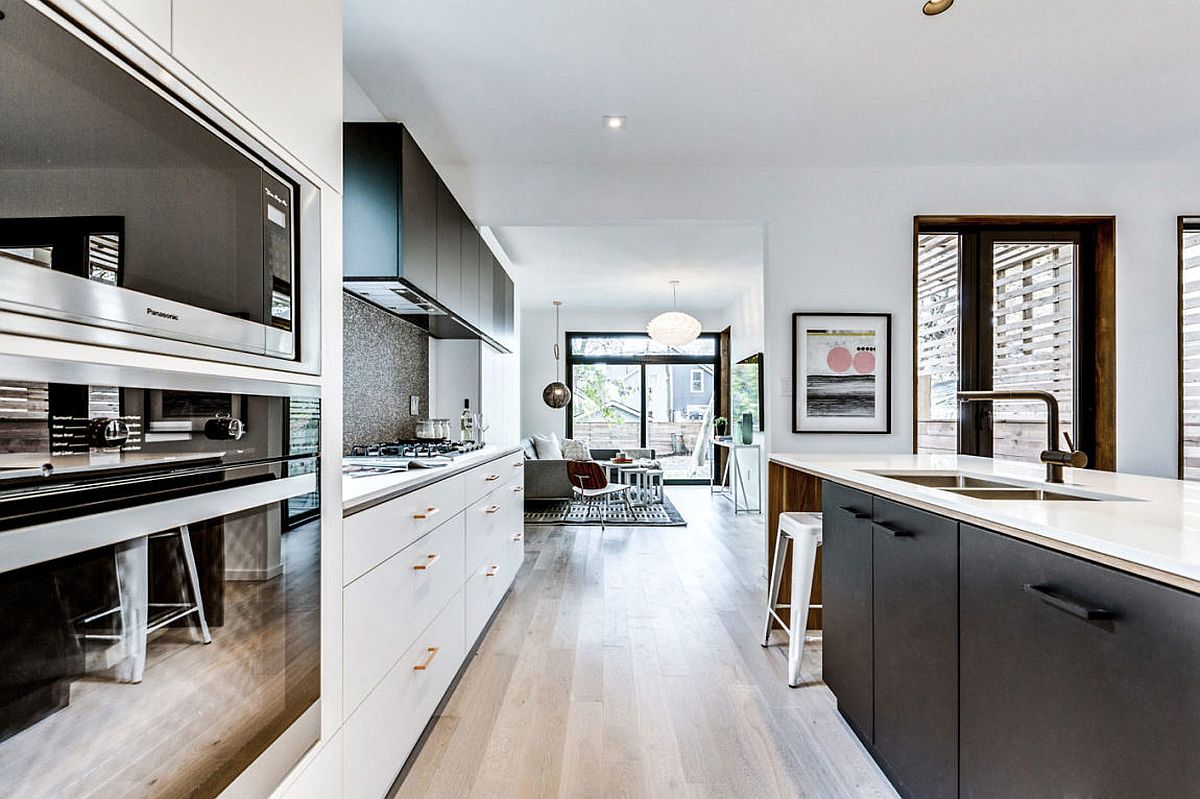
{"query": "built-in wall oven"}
[(159, 579), (133, 214)]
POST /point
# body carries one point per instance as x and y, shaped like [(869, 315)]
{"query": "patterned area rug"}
[(563, 512)]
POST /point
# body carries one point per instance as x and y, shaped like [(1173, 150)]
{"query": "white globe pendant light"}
[(674, 328)]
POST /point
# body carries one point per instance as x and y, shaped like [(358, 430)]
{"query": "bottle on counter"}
[(466, 423)]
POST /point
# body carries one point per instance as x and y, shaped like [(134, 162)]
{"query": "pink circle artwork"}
[(864, 362), (838, 359)]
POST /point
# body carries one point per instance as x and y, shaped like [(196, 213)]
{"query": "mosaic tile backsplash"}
[(385, 359)]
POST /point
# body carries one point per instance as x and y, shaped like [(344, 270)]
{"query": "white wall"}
[(537, 360), (841, 239)]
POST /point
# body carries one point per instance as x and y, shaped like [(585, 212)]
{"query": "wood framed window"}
[(1008, 302)]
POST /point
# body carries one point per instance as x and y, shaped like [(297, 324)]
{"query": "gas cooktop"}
[(414, 448)]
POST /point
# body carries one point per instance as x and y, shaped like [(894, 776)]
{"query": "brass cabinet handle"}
[(430, 654), (430, 559), (518, 464), (492, 477), (518, 537), (491, 509), (492, 572), (518, 489), (425, 514)]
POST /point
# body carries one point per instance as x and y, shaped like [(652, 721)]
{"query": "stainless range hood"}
[(414, 307)]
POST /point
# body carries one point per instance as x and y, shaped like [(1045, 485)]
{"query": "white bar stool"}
[(803, 532)]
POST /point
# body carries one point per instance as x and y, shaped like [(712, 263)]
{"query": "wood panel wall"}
[(792, 490)]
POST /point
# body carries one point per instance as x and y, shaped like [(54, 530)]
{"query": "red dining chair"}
[(590, 485)]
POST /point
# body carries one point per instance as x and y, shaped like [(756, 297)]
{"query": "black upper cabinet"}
[(371, 200), (450, 221), (418, 234), (471, 242), (487, 305), (1055, 703), (404, 230), (847, 612), (915, 602), (390, 206)]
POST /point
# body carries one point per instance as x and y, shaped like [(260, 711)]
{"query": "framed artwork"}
[(842, 373)]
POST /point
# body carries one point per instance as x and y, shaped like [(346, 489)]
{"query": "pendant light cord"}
[(557, 352)]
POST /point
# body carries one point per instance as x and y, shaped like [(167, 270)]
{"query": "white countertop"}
[(1155, 534), (360, 493)]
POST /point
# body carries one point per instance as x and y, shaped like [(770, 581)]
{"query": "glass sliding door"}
[(628, 391), (606, 405), (679, 409)]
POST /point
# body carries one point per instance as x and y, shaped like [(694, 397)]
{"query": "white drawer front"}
[(381, 733), (373, 535), (386, 609), (482, 480), (484, 590), (514, 552), (488, 520)]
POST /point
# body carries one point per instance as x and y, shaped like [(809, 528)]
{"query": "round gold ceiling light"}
[(935, 7)]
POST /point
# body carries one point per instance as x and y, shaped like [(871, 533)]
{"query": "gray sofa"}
[(547, 479)]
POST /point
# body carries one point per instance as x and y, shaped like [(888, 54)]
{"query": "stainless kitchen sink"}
[(985, 488), (943, 480), (1021, 494)]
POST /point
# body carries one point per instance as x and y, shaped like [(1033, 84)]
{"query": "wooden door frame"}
[(1098, 299)]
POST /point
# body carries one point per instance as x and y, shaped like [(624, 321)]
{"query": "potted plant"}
[(720, 424)]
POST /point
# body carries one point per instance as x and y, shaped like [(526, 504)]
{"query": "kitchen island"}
[(989, 634)]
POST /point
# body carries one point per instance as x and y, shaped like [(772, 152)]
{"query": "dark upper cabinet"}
[(450, 221), (847, 614), (915, 602), (371, 200), (1055, 703), (418, 212), (487, 306), (404, 230), (389, 206), (508, 327), (468, 306)]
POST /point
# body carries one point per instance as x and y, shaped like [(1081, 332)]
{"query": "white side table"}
[(733, 476)]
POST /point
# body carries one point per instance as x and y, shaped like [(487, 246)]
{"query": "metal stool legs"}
[(803, 534)]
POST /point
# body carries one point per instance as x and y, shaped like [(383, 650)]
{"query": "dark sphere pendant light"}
[(556, 394)]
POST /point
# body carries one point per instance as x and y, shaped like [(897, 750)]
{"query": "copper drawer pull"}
[(491, 509), (425, 514), (519, 537), (492, 477), (430, 654), (518, 489), (492, 572), (518, 464), (425, 564)]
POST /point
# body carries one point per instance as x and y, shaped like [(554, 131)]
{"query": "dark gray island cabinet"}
[(974, 664)]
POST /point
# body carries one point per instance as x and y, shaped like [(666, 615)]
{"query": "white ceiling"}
[(706, 84), (630, 266)]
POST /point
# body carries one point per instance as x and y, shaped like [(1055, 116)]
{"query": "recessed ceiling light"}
[(935, 7), (613, 122)]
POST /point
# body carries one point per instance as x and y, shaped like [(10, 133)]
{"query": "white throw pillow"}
[(575, 449), (548, 448)]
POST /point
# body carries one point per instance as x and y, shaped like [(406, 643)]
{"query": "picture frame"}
[(841, 373)]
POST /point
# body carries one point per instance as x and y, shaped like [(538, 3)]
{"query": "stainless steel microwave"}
[(132, 215)]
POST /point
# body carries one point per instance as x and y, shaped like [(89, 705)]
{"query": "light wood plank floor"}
[(627, 664)]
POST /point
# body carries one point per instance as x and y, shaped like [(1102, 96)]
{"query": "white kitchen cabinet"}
[(375, 534), (387, 607), (381, 733), (278, 63)]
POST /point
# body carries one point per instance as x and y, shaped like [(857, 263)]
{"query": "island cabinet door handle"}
[(518, 537), (430, 654), (518, 489), (491, 478), (1078, 609), (430, 559), (492, 571), (491, 509), (854, 513), (425, 514), (892, 530)]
